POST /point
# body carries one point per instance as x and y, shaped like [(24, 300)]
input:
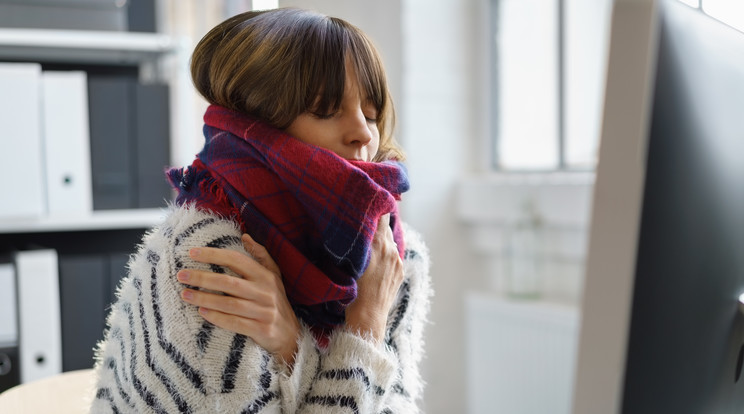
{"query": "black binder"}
[(10, 374), (153, 144), (84, 281), (113, 173)]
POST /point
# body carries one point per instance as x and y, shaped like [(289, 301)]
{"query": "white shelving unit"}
[(97, 220), (92, 248), (159, 57), (84, 46)]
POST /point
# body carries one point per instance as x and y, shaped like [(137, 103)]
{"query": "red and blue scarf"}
[(315, 212)]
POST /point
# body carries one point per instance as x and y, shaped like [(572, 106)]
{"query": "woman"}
[(283, 280)]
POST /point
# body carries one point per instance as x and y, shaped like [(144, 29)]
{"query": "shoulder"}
[(416, 249), (184, 227), (416, 266), (187, 222)]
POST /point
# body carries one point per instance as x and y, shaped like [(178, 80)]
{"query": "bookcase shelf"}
[(84, 46), (97, 220)]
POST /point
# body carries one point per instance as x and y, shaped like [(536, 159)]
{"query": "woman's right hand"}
[(378, 286), (255, 304)]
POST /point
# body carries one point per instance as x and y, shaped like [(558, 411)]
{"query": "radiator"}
[(520, 355)]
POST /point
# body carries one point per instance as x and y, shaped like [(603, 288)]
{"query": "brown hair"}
[(277, 64)]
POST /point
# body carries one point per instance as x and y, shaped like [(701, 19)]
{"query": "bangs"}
[(329, 50)]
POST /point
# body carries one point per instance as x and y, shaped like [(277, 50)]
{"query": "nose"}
[(357, 131)]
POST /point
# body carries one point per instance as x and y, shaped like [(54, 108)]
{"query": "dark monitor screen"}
[(676, 316)]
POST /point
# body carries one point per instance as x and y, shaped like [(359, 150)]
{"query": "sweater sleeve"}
[(356, 375), (160, 356), (405, 330)]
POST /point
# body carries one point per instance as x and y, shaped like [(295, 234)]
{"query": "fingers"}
[(228, 321), (230, 285), (237, 306), (260, 253), (384, 221), (240, 263)]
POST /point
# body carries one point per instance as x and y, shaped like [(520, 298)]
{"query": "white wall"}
[(441, 86)]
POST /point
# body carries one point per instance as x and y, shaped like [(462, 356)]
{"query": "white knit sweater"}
[(160, 356)]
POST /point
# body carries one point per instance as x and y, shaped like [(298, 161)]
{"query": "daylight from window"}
[(265, 4), (730, 12)]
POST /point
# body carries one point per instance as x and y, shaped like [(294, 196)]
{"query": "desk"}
[(66, 393)]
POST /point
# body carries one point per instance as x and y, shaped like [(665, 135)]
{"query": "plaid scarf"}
[(315, 212)]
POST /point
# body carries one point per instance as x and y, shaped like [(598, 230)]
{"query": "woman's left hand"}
[(255, 306)]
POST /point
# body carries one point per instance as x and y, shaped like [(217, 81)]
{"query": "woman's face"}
[(351, 132)]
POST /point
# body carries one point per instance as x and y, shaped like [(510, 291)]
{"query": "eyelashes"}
[(326, 116)]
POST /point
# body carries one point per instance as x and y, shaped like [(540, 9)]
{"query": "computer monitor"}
[(662, 331)]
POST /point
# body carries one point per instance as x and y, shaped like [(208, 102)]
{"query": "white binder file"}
[(66, 141), (40, 337), (8, 315), (21, 155)]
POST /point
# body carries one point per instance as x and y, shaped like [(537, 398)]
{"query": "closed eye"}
[(324, 116)]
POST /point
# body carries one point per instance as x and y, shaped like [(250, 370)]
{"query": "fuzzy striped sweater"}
[(160, 356)]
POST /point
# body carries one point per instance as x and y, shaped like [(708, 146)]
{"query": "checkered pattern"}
[(315, 212)]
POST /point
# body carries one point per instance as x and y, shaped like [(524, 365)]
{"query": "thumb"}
[(384, 221), (260, 254)]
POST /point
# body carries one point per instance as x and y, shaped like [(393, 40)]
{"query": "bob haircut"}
[(277, 64)]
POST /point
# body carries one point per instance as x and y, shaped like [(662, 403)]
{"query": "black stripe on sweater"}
[(410, 254), (192, 229), (398, 389), (343, 401), (347, 374), (224, 241), (204, 335), (105, 394), (255, 406), (401, 310), (185, 234), (190, 372), (111, 365), (146, 396), (219, 243), (233, 363), (164, 379), (119, 336), (265, 373)]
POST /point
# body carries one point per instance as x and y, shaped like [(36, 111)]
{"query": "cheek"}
[(374, 147)]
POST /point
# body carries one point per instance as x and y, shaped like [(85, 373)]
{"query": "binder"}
[(8, 315), (65, 14), (83, 300), (66, 143), (112, 161), (142, 16), (151, 106), (39, 332), (21, 157), (9, 372)]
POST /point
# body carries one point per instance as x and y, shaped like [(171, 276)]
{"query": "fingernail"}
[(203, 311), (187, 294), (194, 252), (183, 275)]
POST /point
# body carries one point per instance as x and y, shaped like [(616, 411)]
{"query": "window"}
[(548, 74), (730, 12), (527, 84), (548, 71)]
